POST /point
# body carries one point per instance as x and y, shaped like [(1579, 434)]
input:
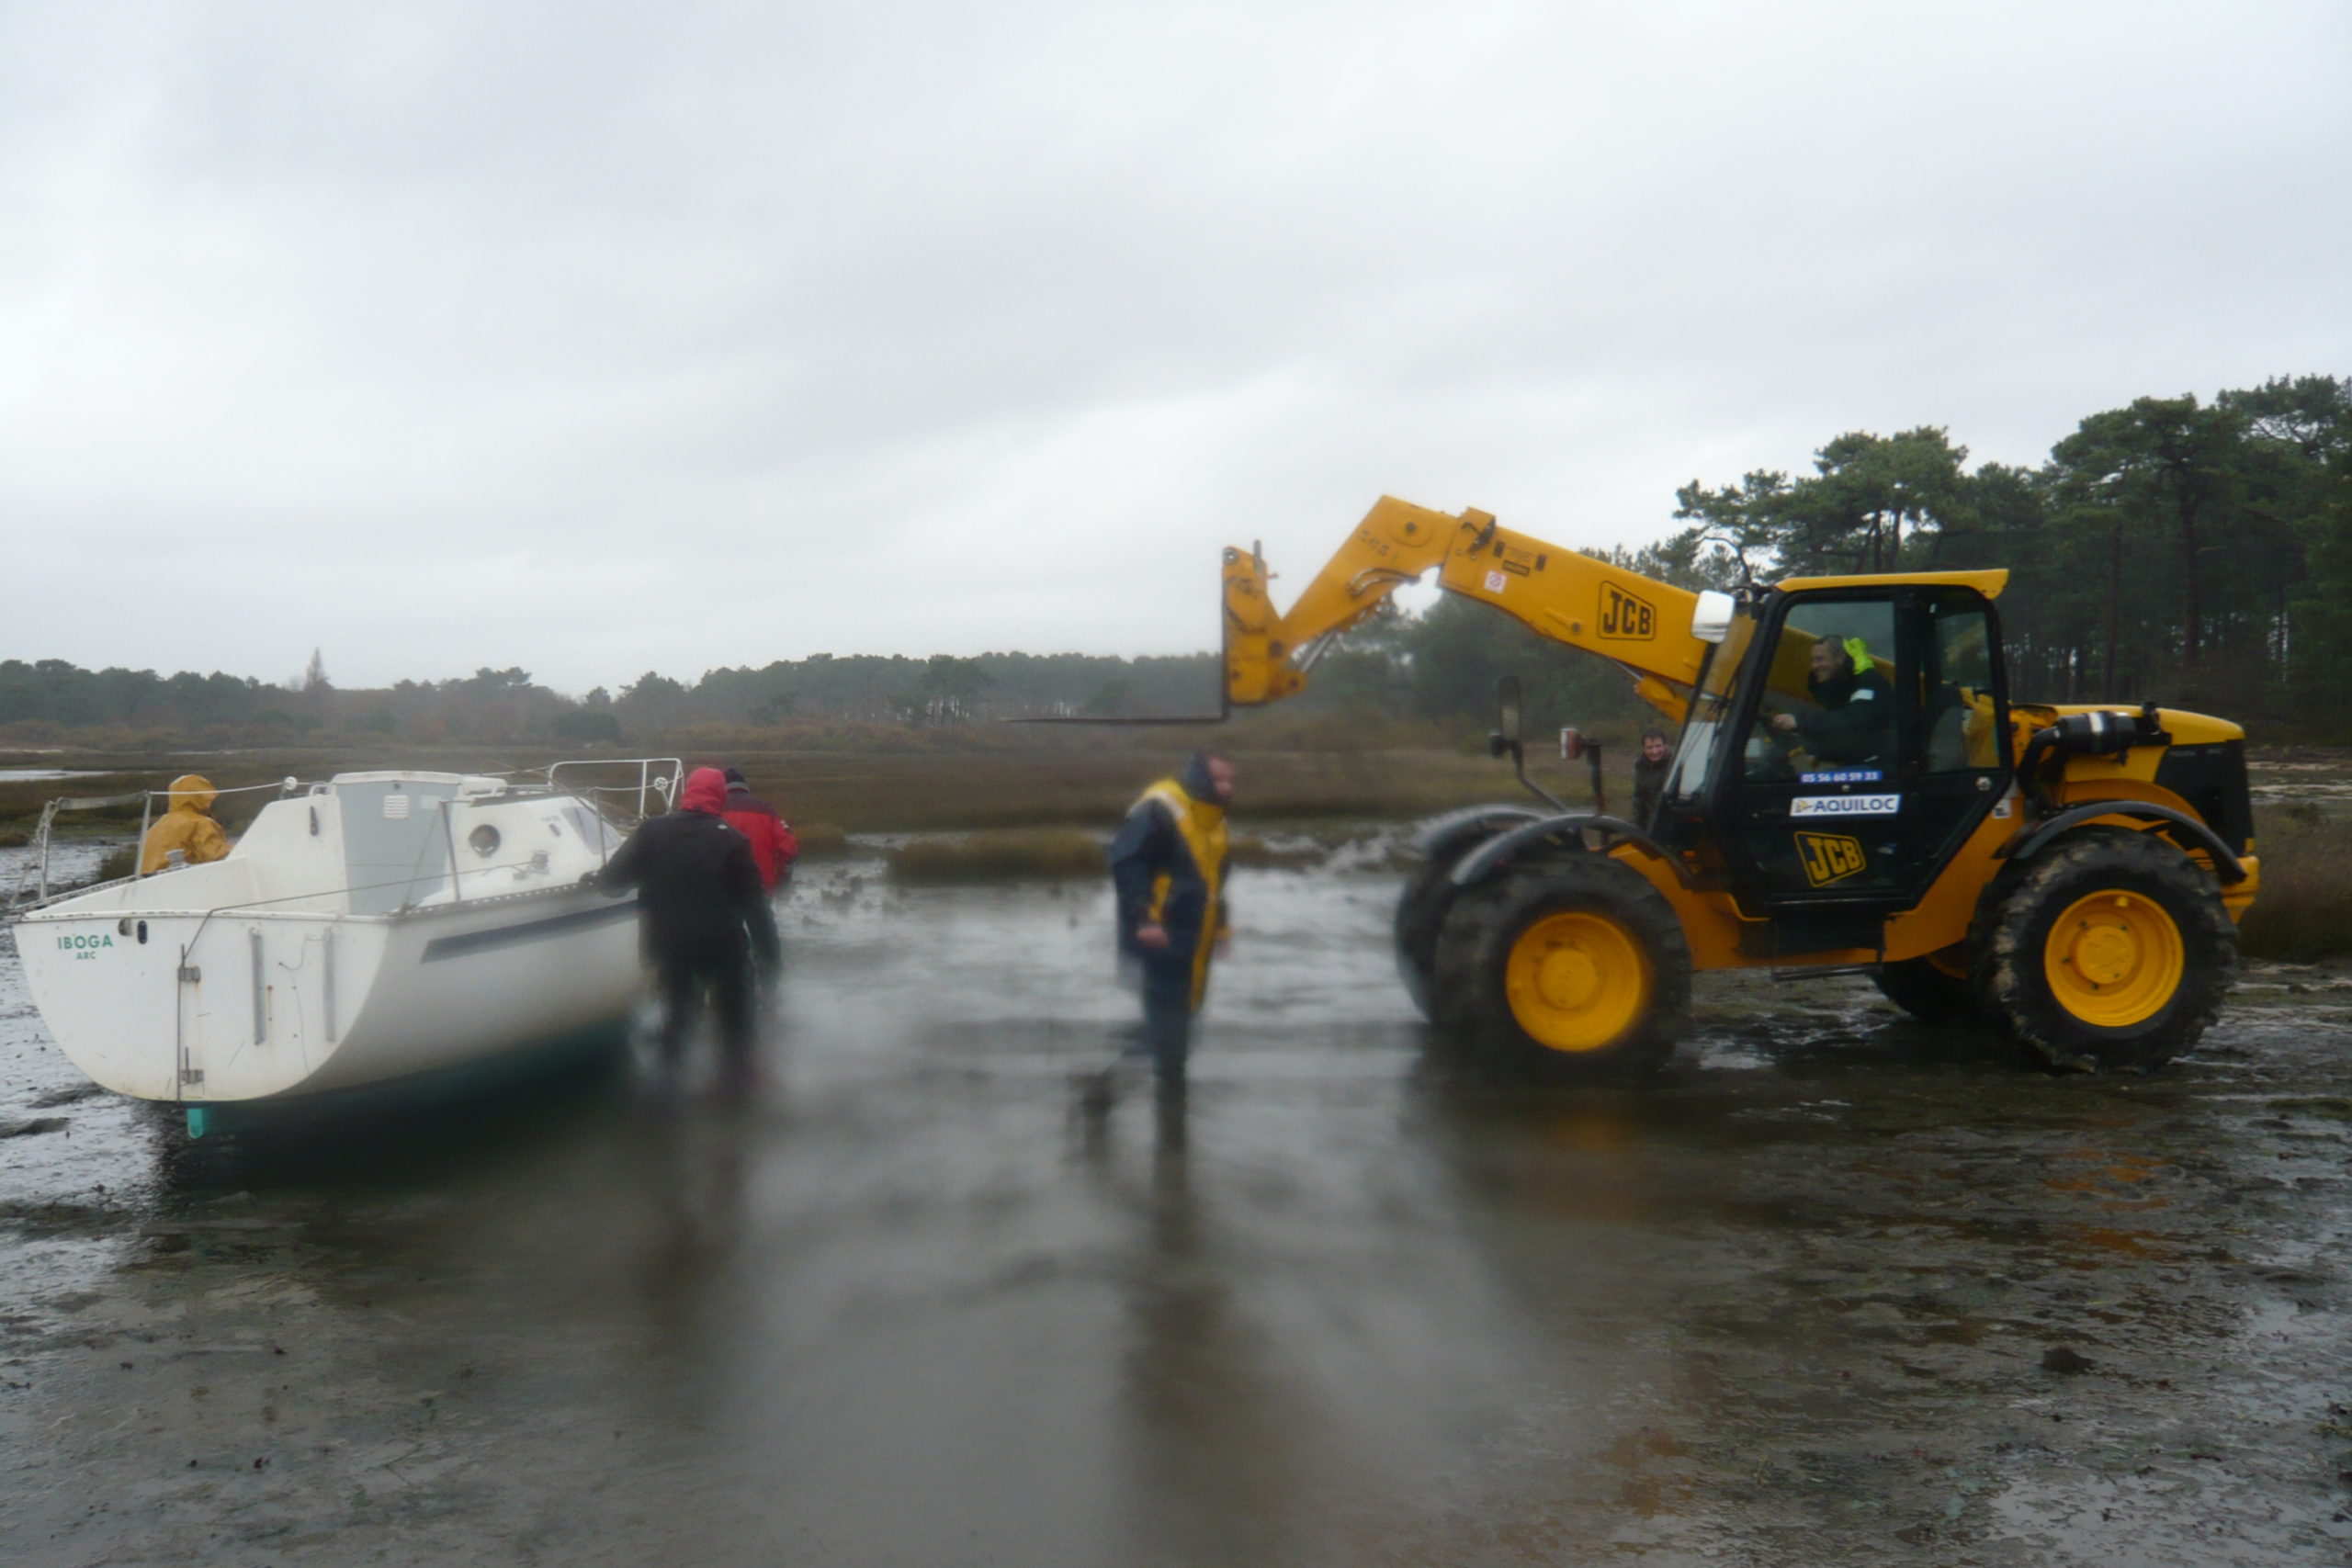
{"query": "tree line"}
[(51, 699), (2196, 552)]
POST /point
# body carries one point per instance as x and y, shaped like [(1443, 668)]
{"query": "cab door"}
[(1872, 738), (1959, 768)]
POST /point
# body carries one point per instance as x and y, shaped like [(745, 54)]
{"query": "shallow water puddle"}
[(1804, 1300)]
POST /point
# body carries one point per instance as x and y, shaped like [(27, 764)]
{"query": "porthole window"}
[(484, 840)]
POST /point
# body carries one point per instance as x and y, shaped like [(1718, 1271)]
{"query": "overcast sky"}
[(595, 338)]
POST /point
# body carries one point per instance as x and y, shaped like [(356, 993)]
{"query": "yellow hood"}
[(192, 792)]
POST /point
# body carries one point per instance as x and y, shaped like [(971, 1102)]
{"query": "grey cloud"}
[(598, 338)]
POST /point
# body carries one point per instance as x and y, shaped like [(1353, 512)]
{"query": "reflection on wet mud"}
[(694, 1164), (1839, 1290), (1201, 1408)]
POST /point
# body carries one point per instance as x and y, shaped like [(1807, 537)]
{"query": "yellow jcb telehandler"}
[(1853, 790)]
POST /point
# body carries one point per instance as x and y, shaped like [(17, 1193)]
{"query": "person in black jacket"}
[(1168, 867), (1856, 720), (707, 917), (1649, 776)]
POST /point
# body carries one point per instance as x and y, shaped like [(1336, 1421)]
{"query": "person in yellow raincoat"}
[(187, 827), (1168, 866)]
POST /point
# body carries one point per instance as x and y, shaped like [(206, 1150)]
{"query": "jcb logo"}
[(1623, 616), (1829, 857)]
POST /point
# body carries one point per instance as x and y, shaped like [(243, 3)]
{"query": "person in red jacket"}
[(773, 844)]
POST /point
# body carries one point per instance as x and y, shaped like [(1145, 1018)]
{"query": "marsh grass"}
[(21, 799), (2304, 909), (1004, 855), (2335, 1107), (1017, 853), (822, 841), (1065, 784), (1257, 854), (884, 794)]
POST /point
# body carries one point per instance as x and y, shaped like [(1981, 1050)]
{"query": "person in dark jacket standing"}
[(773, 844), (707, 917), (1649, 776), (1168, 866)]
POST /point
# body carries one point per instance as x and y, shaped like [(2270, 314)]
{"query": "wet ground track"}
[(1839, 1289)]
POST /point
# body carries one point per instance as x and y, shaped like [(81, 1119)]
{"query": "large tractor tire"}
[(2110, 951), (1428, 895), (1421, 914), (1574, 963), (1933, 989)]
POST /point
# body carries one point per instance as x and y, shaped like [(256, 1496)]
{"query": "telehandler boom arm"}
[(1567, 596)]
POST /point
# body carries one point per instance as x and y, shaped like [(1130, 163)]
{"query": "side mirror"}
[(1575, 743), (1711, 617), (1506, 710), (1505, 740)]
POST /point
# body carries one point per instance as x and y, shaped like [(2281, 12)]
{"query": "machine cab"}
[(1843, 741)]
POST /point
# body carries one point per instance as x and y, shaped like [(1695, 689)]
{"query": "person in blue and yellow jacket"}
[(1167, 864)]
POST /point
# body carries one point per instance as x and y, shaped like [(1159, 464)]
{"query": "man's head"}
[(1653, 745), (1221, 779), (1209, 777), (1831, 659), (735, 780)]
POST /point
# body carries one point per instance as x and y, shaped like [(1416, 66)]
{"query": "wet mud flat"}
[(1840, 1289)]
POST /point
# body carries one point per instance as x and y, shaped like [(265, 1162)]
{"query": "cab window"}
[(1961, 729), (1828, 710), (1693, 758)]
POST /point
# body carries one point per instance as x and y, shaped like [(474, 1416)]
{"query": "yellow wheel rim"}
[(1576, 980), (2114, 958)]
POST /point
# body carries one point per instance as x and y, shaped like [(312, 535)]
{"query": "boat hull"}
[(243, 1004)]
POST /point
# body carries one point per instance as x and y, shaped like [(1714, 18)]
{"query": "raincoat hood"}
[(192, 792), (705, 791)]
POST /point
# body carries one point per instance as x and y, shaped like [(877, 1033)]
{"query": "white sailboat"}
[(374, 927)]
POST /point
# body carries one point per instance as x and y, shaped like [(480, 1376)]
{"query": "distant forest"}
[(2198, 553)]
